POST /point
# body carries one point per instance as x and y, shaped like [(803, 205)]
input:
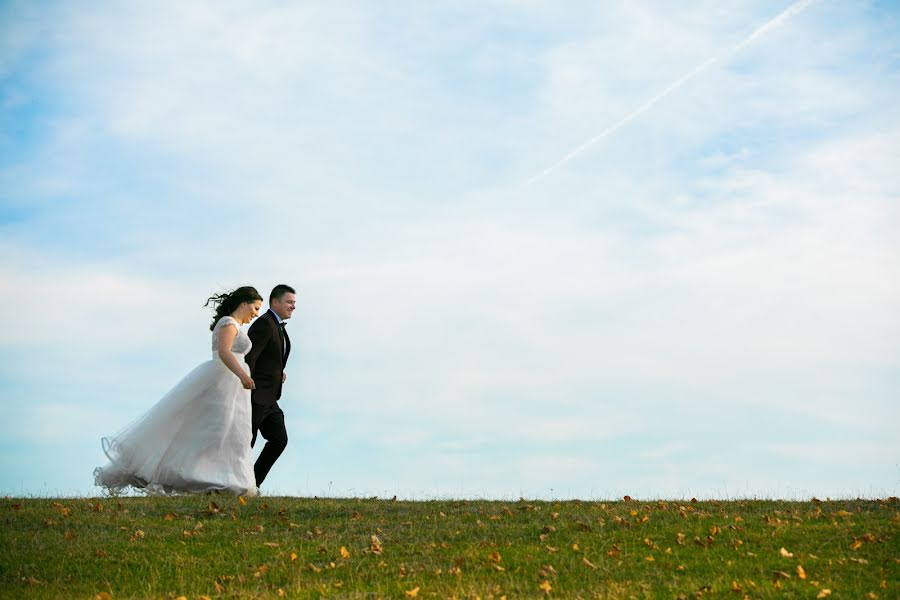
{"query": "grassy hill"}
[(271, 547)]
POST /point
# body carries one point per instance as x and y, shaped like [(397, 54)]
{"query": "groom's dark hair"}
[(280, 290)]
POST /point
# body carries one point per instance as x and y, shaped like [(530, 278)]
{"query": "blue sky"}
[(704, 302)]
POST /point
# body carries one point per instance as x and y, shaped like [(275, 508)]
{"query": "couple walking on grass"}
[(199, 436)]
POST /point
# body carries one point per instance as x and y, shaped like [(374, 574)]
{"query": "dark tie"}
[(283, 336)]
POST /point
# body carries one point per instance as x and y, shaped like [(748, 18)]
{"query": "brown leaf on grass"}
[(271, 544), (293, 556), (588, 563), (212, 508), (736, 587), (169, 517), (549, 529), (823, 593), (626, 498), (344, 552), (547, 572), (546, 587), (70, 535), (242, 501), (103, 596), (261, 570), (413, 593), (218, 587), (583, 527), (801, 572), (783, 552), (575, 547), (314, 568), (614, 551), (856, 545), (137, 535), (680, 537), (495, 557), (779, 575), (375, 545), (551, 549)]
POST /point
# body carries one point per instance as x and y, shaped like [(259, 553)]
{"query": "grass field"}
[(226, 547)]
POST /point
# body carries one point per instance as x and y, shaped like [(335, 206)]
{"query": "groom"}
[(267, 358)]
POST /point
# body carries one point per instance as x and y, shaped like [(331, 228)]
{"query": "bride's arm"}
[(224, 342)]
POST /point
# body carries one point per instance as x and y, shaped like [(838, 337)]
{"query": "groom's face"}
[(284, 306)]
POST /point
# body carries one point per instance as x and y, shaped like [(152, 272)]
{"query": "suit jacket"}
[(267, 358)]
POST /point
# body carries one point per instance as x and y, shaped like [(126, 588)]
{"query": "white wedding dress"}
[(195, 439)]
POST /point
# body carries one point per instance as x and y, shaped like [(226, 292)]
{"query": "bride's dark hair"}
[(227, 303)]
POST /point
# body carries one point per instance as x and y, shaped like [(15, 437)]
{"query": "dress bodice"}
[(242, 341)]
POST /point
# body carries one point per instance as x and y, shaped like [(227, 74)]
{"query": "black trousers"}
[(268, 421)]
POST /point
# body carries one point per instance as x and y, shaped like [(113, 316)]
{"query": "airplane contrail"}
[(791, 11)]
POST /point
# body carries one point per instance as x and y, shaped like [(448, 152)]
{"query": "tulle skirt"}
[(195, 439)]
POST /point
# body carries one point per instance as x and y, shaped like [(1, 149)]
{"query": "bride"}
[(197, 437)]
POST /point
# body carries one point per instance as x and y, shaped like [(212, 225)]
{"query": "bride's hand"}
[(248, 383)]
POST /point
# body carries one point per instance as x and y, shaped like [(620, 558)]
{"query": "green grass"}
[(216, 546)]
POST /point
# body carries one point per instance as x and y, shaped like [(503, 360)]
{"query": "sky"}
[(542, 249)]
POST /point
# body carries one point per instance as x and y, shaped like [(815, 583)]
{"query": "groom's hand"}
[(283, 377)]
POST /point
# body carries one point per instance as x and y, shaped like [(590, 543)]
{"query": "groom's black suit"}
[(267, 359)]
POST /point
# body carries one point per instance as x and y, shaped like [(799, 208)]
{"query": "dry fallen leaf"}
[(103, 596), (801, 572), (376, 546), (588, 563), (856, 545), (785, 553), (413, 592), (344, 552), (495, 557), (824, 594), (546, 587)]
